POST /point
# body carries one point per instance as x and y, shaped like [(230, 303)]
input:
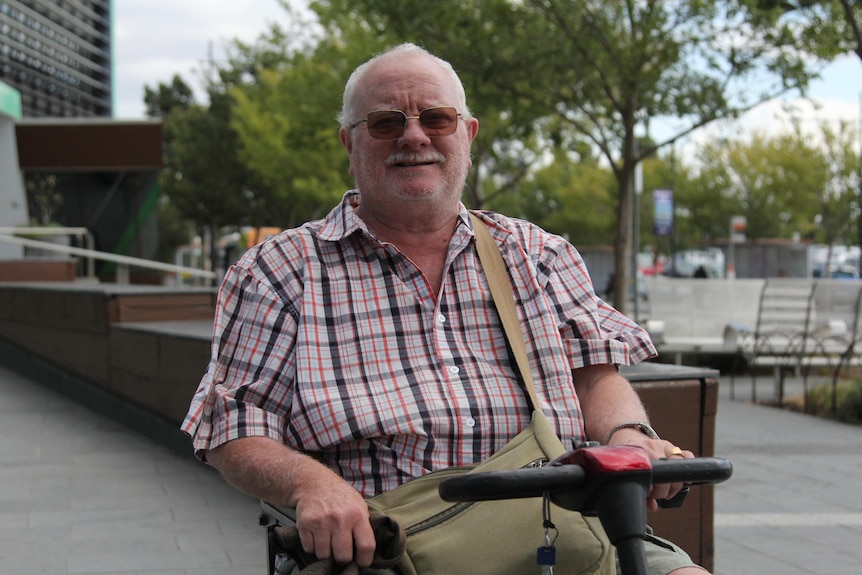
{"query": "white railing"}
[(123, 262), (83, 233)]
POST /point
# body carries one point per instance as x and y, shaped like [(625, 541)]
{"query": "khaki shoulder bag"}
[(499, 537)]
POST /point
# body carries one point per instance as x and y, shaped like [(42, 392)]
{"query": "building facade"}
[(57, 55)]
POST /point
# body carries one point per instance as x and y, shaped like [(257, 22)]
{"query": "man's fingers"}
[(342, 547), (365, 544)]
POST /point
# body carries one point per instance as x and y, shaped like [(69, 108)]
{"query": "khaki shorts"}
[(663, 556)]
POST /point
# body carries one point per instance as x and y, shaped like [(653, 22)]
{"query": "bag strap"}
[(504, 300)]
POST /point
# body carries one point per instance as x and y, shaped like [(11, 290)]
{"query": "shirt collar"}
[(342, 221)]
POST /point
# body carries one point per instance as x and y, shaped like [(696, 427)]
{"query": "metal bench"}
[(803, 324)]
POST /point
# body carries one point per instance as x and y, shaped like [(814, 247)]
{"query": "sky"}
[(155, 39)]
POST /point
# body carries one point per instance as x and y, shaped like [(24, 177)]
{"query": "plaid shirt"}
[(332, 342)]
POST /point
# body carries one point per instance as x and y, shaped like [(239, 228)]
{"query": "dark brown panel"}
[(83, 145)]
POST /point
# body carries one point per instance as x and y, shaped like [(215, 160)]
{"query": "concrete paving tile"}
[(126, 531), (124, 562), (13, 521), (77, 517), (256, 569), (231, 509), (245, 528), (25, 550), (250, 555), (741, 556)]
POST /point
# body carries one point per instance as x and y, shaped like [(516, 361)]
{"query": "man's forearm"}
[(332, 517), (607, 400), (267, 469)]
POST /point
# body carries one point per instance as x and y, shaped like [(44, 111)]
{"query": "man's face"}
[(415, 167)]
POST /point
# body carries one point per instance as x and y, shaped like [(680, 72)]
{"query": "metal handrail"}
[(123, 262), (84, 233)]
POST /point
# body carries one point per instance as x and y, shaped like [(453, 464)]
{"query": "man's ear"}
[(472, 127), (346, 139)]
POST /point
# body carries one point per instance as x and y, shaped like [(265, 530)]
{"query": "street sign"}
[(663, 212)]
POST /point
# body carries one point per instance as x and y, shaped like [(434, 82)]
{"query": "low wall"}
[(682, 403), (158, 364), (140, 352), (38, 270), (705, 316), (69, 324), (696, 312)]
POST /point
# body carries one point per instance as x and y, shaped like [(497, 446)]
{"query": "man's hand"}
[(332, 519), (656, 449), (331, 516), (607, 399)]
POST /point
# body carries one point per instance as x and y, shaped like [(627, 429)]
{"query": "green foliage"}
[(569, 197), (787, 184), (285, 123), (42, 197), (848, 401), (484, 40), (166, 98), (203, 177), (264, 151), (599, 68), (828, 27), (174, 229), (561, 89)]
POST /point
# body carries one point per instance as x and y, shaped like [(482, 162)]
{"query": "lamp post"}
[(636, 243), (736, 232)]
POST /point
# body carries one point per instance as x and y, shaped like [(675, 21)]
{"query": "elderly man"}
[(355, 353)]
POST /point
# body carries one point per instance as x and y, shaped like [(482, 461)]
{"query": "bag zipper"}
[(457, 508)]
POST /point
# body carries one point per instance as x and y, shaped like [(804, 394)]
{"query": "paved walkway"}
[(81, 494), (793, 505)]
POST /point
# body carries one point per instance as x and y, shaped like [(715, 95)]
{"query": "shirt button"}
[(470, 422), (441, 318), (454, 369)]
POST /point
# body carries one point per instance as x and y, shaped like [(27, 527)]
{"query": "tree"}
[(177, 97), (794, 183), (166, 98), (832, 27), (203, 179), (285, 120), (570, 196), (602, 68), (508, 144)]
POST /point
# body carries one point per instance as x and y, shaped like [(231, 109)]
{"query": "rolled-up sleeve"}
[(246, 390), (593, 332)]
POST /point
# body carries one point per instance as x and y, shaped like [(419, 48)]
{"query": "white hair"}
[(347, 114)]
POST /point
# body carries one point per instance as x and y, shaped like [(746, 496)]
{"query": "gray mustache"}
[(415, 158)]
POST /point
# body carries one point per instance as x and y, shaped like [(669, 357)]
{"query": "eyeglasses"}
[(390, 124)]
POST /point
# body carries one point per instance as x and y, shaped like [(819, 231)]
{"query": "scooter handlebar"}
[(534, 481)]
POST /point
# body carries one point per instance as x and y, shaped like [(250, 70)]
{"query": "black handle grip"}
[(534, 481), (512, 484), (695, 471)]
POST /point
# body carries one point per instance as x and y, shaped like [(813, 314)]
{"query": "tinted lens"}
[(386, 124), (438, 121), (390, 124)]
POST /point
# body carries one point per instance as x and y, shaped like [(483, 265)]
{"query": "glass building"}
[(57, 55), (64, 160)]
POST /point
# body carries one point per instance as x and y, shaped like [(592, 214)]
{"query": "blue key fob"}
[(546, 555)]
